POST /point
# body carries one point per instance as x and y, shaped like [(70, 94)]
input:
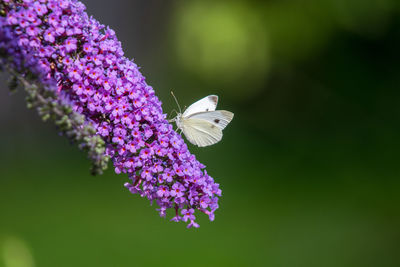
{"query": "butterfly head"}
[(177, 119)]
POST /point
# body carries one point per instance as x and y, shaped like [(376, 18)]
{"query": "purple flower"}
[(39, 8), (178, 169), (84, 61), (78, 88), (193, 224), (48, 35), (176, 219), (162, 210), (75, 75), (104, 129), (70, 44), (12, 18), (32, 30), (163, 191), (87, 48), (188, 214), (168, 176), (59, 30), (145, 153), (118, 140), (146, 174), (204, 202), (53, 19), (177, 190)]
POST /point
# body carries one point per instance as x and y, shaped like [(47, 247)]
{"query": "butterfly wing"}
[(208, 103), (219, 118), (201, 132), (205, 128)]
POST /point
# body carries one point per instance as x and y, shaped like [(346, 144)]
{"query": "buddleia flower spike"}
[(75, 73)]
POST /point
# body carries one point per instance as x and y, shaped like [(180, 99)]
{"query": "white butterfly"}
[(201, 123)]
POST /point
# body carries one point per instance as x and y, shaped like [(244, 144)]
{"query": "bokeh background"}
[(309, 167)]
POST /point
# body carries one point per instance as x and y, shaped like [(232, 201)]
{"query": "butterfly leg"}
[(180, 131)]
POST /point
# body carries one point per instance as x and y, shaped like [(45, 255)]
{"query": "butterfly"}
[(201, 124)]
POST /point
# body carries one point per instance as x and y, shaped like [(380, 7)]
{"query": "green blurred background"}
[(308, 167)]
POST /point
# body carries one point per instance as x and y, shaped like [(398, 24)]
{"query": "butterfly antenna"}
[(172, 93)]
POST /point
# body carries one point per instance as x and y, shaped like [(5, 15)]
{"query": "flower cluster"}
[(57, 40)]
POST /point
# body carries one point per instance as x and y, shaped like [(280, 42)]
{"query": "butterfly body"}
[(201, 124)]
